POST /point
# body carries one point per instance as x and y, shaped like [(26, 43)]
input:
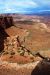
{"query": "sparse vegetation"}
[(12, 53), (25, 39)]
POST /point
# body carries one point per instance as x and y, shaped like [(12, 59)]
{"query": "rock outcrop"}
[(36, 68)]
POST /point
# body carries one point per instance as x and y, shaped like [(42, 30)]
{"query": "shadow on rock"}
[(3, 36), (43, 68)]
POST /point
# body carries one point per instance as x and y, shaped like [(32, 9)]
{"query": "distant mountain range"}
[(42, 13)]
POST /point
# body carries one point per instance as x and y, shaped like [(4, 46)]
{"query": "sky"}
[(24, 6)]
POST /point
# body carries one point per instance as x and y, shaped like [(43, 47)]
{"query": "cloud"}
[(25, 3), (44, 11), (43, 2), (21, 3), (18, 6), (23, 6), (7, 9)]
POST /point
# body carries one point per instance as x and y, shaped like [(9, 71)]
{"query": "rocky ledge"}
[(36, 68)]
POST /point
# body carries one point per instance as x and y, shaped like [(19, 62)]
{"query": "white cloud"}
[(8, 9), (18, 6), (22, 5), (44, 10), (27, 4), (43, 2)]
